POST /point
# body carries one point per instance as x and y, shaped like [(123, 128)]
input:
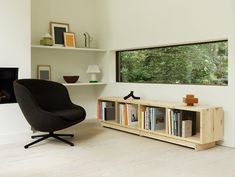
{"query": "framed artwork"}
[(57, 32), (69, 39), (44, 72)]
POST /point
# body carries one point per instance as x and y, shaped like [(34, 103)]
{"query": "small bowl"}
[(71, 79)]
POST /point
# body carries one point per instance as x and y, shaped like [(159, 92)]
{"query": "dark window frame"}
[(118, 65)]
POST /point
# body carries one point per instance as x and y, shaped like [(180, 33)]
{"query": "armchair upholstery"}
[(47, 107)]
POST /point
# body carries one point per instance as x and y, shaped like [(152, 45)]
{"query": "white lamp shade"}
[(93, 69), (46, 35)]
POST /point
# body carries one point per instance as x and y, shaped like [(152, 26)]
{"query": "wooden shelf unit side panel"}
[(218, 115), (206, 126), (198, 121), (167, 120), (139, 116), (142, 109), (98, 110), (116, 112)]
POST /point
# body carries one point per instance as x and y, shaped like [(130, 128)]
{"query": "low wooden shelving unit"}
[(207, 121)]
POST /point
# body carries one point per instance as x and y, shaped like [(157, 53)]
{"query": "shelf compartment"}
[(152, 118), (127, 114), (106, 111), (183, 123)]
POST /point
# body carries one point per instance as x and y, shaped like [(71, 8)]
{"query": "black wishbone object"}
[(131, 95)]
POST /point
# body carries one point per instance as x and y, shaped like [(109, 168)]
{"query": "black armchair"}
[(47, 107)]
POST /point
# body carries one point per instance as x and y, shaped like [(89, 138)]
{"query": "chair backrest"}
[(47, 95), (40, 99)]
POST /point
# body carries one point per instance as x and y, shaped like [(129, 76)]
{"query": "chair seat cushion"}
[(75, 115)]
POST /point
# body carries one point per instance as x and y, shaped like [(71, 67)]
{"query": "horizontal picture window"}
[(198, 63)]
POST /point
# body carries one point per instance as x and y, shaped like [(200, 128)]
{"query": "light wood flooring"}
[(102, 152)]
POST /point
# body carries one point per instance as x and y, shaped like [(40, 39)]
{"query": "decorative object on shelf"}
[(88, 39), (57, 32), (69, 39), (44, 72), (46, 40), (71, 79), (93, 70), (186, 128), (190, 100), (131, 94)]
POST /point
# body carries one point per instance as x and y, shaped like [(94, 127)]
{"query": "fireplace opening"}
[(7, 77)]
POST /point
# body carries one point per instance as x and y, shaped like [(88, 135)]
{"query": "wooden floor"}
[(102, 152)]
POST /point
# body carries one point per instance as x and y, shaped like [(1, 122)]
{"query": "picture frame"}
[(57, 32), (44, 72), (69, 39)]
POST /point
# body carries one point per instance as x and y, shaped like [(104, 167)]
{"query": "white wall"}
[(80, 15), (142, 23), (15, 52)]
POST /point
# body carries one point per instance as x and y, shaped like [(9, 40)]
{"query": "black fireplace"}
[(7, 76)]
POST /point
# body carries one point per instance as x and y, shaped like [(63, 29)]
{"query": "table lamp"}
[(93, 70)]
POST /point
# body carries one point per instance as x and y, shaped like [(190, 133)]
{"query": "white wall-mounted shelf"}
[(68, 48), (84, 84)]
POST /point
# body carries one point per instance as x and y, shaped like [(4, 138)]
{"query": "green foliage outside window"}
[(202, 63)]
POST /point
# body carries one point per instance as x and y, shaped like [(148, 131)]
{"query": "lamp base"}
[(93, 81)]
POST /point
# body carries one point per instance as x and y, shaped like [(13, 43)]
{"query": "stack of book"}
[(106, 111)]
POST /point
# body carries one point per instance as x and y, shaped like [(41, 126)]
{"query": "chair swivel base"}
[(51, 134)]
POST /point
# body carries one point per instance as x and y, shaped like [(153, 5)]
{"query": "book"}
[(98, 111), (186, 128), (158, 118), (141, 119), (132, 115), (175, 126), (169, 120), (102, 106), (109, 113), (172, 122), (146, 116), (179, 121), (122, 114), (175, 122)]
